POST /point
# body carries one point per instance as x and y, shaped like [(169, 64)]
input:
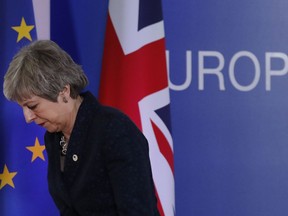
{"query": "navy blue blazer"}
[(107, 168)]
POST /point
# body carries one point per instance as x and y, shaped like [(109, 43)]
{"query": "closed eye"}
[(32, 107)]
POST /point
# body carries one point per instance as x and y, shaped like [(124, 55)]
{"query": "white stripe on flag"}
[(42, 18)]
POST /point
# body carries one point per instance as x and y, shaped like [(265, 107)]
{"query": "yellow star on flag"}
[(37, 150), (23, 30), (6, 177)]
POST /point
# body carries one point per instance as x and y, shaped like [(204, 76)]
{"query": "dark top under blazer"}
[(107, 168)]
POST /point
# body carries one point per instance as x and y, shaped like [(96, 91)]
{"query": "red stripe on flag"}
[(164, 146)]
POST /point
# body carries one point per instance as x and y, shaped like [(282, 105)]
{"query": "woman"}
[(98, 161)]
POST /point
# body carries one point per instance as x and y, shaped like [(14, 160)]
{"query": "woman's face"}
[(50, 115)]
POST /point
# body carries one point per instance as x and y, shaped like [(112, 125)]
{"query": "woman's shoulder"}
[(106, 116)]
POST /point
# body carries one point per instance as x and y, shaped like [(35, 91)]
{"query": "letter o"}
[(256, 63)]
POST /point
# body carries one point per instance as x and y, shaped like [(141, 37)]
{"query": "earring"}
[(65, 100)]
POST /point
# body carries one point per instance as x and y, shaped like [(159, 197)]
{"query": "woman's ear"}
[(65, 93)]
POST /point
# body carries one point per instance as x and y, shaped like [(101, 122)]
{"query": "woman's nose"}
[(28, 114)]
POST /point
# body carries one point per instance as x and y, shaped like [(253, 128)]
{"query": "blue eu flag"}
[(78, 27), (23, 159)]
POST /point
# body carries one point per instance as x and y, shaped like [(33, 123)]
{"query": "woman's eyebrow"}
[(25, 103)]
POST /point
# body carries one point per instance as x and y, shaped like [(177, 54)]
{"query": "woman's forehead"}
[(25, 100)]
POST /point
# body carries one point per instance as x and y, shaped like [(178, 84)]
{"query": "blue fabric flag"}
[(78, 27), (23, 159)]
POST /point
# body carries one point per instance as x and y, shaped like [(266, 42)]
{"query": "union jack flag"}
[(134, 80)]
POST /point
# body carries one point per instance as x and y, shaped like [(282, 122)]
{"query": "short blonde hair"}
[(42, 69)]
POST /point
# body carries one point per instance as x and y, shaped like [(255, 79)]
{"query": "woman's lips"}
[(41, 124)]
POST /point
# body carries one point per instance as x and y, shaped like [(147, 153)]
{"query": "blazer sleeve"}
[(128, 164)]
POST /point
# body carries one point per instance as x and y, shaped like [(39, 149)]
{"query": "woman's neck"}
[(75, 105)]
